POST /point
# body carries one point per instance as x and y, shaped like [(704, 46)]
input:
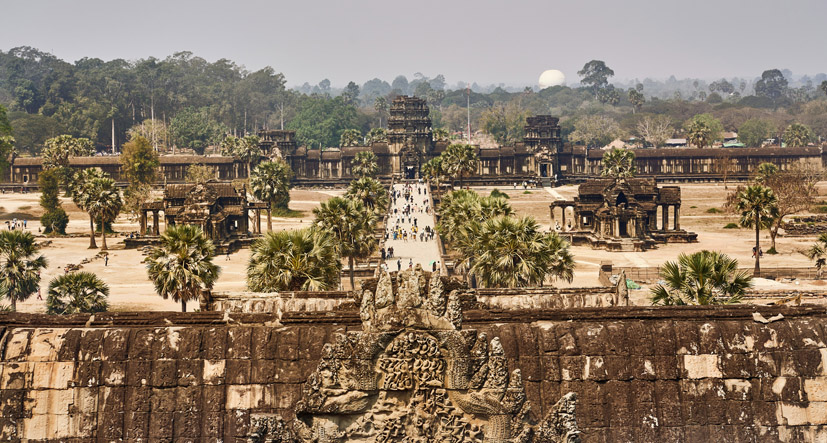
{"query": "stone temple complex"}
[(629, 214)]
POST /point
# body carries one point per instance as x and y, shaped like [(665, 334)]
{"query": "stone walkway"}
[(405, 252)]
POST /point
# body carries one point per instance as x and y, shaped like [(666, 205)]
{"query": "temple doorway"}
[(623, 228), (410, 172), (543, 170)]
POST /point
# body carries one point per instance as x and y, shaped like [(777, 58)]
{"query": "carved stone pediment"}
[(413, 375)]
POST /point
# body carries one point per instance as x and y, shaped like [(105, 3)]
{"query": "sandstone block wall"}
[(641, 374)]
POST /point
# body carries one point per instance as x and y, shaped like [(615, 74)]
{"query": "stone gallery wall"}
[(641, 374)]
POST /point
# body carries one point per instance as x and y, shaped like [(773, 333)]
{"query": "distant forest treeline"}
[(188, 102)]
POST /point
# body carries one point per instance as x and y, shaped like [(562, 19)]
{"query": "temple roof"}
[(182, 190)]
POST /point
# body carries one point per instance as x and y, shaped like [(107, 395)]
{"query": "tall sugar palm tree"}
[(351, 225), (298, 260), (82, 194), (758, 206), (370, 192), (512, 252), (702, 278), (20, 266), (245, 149), (77, 292), (618, 163), (434, 171), (365, 164), (270, 182), (181, 266), (104, 204), (460, 159)]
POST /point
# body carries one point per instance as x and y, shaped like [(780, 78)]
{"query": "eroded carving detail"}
[(412, 375)]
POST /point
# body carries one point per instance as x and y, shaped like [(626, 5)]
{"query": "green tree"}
[(703, 129), (296, 260), (701, 278), (434, 172), (595, 75), (758, 206), (618, 163), (77, 292), (380, 105), (460, 159), (6, 140), (377, 135), (823, 87), (772, 85), (58, 150), (104, 204), (181, 266), (195, 129), (319, 121), (370, 192), (595, 131), (512, 252), (245, 149), (84, 193), (139, 162), (351, 224), (798, 135), (198, 173), (20, 265), (364, 164), (441, 135), (754, 131), (54, 220), (351, 93), (504, 121), (270, 182), (637, 99), (350, 137)]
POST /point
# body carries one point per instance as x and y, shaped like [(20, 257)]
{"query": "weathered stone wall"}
[(641, 374)]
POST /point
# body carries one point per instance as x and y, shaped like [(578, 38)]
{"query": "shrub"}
[(693, 207), (714, 211), (772, 251), (55, 221), (731, 226), (496, 193), (526, 192), (822, 209)]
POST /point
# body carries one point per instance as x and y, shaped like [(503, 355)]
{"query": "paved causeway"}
[(411, 202)]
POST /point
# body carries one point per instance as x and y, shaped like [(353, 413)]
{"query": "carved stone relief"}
[(413, 375)]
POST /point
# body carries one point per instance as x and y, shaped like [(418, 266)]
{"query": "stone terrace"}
[(641, 374)]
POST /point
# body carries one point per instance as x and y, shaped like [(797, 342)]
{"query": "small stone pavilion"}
[(627, 214), (221, 210)]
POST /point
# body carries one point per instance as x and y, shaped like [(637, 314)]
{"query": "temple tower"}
[(409, 135), (542, 137)]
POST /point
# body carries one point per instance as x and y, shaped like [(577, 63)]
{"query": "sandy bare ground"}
[(131, 290)]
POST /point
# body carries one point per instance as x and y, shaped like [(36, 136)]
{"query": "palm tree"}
[(245, 149), (370, 192), (434, 172), (351, 225), (512, 252), (297, 260), (377, 135), (270, 182), (77, 292), (83, 195), (364, 165), (460, 158), (765, 172), (350, 137), (182, 265), (104, 203), (758, 207), (19, 268), (619, 163), (702, 278), (818, 252)]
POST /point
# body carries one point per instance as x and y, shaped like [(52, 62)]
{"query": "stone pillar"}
[(155, 230), (563, 226), (601, 228), (677, 217), (665, 218), (552, 214), (616, 227), (143, 222), (258, 221)]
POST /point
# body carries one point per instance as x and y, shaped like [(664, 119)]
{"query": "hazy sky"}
[(480, 41)]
